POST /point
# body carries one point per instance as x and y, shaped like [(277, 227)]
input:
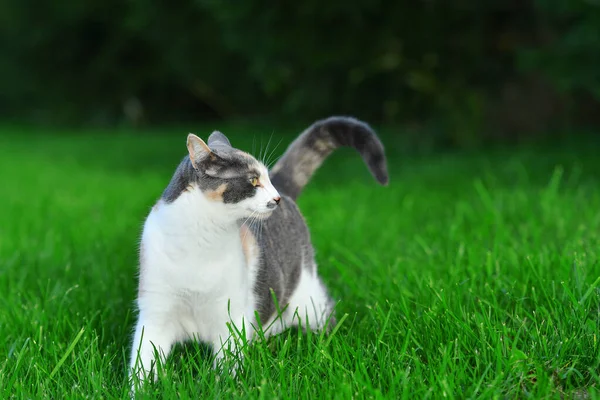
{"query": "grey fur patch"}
[(302, 158), (237, 190), (184, 175), (284, 242), (226, 166), (217, 139)]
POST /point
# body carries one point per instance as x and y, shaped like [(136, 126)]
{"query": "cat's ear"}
[(217, 139), (198, 149)]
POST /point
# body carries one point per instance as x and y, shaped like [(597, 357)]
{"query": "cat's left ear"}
[(198, 150), (217, 139)]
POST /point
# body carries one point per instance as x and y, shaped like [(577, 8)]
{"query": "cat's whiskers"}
[(249, 226), (273, 162), (260, 152), (268, 162), (260, 228), (262, 158), (250, 216), (259, 222)]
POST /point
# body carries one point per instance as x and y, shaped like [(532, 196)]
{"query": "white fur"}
[(194, 277), (308, 307)]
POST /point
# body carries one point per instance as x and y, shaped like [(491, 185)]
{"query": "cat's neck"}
[(192, 215)]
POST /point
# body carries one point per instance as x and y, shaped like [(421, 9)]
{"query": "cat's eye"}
[(254, 181)]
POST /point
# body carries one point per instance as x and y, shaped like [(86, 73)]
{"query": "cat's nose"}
[(273, 203)]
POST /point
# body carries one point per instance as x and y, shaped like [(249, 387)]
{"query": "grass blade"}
[(69, 351)]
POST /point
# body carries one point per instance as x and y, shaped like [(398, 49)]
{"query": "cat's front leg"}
[(150, 338), (227, 347), (227, 356)]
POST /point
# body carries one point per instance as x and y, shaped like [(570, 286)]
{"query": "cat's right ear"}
[(198, 149)]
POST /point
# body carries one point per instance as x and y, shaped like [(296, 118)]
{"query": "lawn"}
[(472, 275)]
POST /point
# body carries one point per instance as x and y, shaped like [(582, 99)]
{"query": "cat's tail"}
[(302, 158)]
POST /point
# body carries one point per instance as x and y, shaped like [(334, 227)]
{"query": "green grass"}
[(470, 276)]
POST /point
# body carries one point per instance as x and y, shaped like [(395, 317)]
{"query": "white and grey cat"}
[(205, 261)]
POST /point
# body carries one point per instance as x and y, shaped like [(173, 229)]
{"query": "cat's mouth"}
[(260, 215), (265, 214)]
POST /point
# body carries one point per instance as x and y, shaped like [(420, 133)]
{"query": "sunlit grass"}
[(470, 276)]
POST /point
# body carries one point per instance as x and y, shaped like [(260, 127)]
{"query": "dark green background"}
[(458, 71)]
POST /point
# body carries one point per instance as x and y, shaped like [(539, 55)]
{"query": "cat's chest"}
[(220, 270), (193, 259)]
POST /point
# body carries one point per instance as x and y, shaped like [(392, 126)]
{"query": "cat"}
[(226, 243)]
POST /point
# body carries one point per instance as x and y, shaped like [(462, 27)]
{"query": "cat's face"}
[(231, 178)]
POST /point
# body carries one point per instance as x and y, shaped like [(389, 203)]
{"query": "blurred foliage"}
[(570, 56), (426, 63), (568, 49)]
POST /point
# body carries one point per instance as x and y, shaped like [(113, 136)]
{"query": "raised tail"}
[(302, 158)]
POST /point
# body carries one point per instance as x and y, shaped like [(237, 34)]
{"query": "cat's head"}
[(232, 178)]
